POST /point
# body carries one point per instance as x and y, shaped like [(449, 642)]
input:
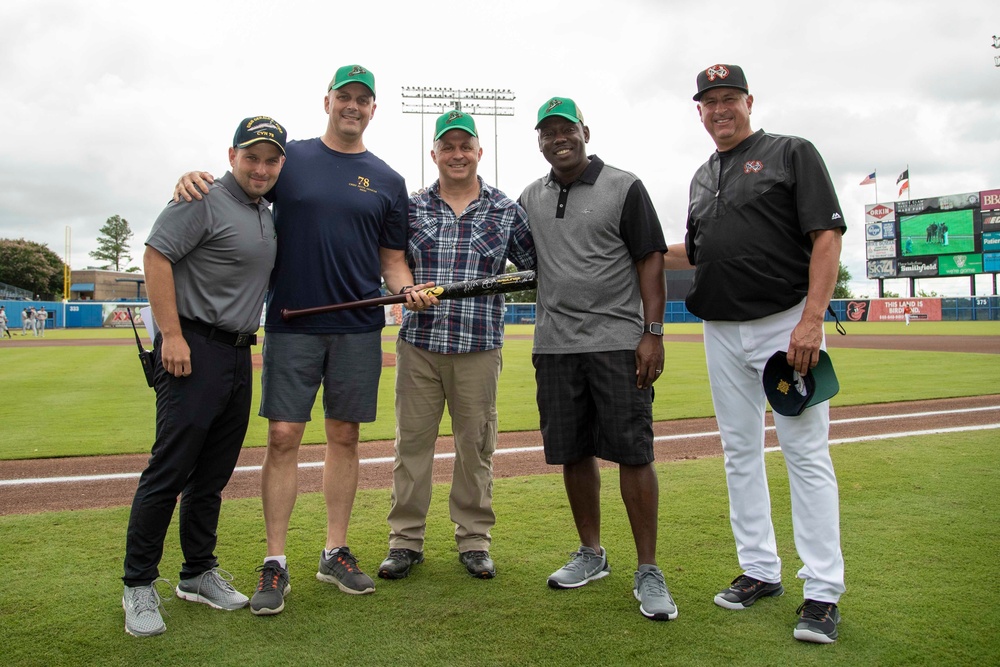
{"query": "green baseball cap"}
[(790, 393), (559, 106), (353, 74), (454, 120)]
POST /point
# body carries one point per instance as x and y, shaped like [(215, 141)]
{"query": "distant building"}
[(103, 285)]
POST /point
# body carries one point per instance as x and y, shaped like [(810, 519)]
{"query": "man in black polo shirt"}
[(764, 235), (207, 264)]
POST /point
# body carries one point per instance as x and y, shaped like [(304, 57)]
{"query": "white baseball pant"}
[(736, 353)]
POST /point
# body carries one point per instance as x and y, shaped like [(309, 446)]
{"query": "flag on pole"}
[(869, 179), (904, 178)]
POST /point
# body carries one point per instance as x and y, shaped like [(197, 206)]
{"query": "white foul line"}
[(522, 450)]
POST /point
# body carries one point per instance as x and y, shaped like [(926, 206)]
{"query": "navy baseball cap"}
[(790, 393), (721, 76), (259, 128)]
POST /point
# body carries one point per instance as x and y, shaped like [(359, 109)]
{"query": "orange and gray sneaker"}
[(340, 567), (272, 587)]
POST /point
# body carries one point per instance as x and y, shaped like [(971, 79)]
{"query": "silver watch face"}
[(655, 328)]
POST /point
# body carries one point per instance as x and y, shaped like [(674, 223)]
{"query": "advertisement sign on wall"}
[(882, 268), (989, 200), (917, 267), (959, 265), (881, 249), (879, 213)]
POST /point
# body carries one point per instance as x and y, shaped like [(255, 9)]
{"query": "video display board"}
[(934, 236)]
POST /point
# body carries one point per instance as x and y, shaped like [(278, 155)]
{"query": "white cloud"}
[(108, 102)]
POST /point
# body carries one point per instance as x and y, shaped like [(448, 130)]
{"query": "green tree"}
[(31, 266), (114, 242), (524, 296), (842, 289)]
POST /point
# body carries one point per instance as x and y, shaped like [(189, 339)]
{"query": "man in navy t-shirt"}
[(341, 220)]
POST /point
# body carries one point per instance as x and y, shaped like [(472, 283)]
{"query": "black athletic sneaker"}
[(744, 591), (341, 568), (272, 587), (478, 564), (398, 563), (817, 622)]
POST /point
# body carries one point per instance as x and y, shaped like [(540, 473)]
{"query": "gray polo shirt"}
[(588, 236), (222, 248)]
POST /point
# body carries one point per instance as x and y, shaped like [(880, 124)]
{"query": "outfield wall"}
[(93, 314)]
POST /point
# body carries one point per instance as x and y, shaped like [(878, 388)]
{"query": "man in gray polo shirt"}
[(598, 342), (207, 265)]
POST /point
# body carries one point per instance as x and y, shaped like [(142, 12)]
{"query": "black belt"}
[(213, 333)]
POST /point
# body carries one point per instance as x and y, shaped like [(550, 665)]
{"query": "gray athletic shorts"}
[(347, 365), (588, 405)]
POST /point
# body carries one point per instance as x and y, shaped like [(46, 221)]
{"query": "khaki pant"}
[(425, 381)]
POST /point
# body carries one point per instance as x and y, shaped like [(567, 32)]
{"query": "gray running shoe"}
[(584, 565), (212, 588), (341, 568), (142, 610), (654, 598), (272, 587)]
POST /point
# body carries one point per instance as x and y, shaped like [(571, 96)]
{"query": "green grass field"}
[(920, 534), (93, 399), (919, 517)]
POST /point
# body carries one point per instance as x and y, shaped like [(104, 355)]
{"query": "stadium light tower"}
[(474, 101)]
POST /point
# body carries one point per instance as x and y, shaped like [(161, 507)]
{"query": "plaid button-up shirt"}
[(444, 248)]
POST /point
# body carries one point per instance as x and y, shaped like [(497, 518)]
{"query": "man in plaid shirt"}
[(460, 228)]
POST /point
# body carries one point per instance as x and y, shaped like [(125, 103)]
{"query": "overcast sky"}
[(108, 102)]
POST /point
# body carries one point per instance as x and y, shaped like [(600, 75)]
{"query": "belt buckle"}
[(242, 340)]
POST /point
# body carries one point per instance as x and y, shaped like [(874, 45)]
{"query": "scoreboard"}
[(954, 235)]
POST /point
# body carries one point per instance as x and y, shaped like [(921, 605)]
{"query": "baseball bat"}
[(508, 282)]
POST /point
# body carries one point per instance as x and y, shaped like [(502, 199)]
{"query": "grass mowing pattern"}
[(920, 529), (94, 400)]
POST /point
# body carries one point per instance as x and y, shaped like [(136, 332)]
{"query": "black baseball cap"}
[(790, 393), (259, 128), (721, 76)]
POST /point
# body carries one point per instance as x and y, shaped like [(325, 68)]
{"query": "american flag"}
[(869, 179)]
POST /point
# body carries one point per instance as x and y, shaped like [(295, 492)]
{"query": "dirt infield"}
[(109, 481), (518, 454)]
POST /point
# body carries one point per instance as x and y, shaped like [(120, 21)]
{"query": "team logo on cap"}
[(553, 103), (265, 128), (358, 69), (717, 71), (753, 166), (454, 115)]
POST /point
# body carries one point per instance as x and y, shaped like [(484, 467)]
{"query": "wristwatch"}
[(655, 328)]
